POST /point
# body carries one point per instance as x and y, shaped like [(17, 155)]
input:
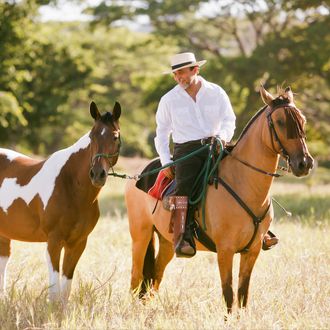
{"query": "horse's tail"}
[(148, 267)]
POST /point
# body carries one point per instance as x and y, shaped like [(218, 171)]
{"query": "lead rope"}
[(156, 170)]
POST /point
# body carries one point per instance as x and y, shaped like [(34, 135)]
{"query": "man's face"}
[(185, 77)]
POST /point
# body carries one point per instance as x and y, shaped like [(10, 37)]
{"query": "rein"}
[(273, 135), (276, 175)]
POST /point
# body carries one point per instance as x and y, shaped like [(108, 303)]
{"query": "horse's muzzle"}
[(301, 166), (98, 177)]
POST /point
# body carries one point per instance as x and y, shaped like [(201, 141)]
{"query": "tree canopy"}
[(51, 71)]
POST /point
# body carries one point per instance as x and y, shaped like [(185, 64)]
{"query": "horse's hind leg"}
[(225, 262), (246, 265), (142, 258), (4, 258), (72, 254), (164, 256)]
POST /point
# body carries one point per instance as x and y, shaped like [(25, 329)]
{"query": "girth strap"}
[(256, 220)]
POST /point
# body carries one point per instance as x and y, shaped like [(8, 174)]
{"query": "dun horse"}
[(277, 129), (55, 200)]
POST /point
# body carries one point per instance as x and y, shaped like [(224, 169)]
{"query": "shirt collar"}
[(205, 84)]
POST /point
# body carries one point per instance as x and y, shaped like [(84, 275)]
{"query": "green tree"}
[(36, 75), (248, 42)]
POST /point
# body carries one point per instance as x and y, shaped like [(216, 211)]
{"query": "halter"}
[(107, 156)]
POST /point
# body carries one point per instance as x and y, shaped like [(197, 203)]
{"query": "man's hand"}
[(169, 172)]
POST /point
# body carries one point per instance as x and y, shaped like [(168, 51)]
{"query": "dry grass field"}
[(290, 285)]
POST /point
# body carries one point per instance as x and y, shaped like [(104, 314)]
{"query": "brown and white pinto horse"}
[(277, 129), (55, 200)]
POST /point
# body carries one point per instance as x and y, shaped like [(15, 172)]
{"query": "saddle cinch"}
[(160, 187)]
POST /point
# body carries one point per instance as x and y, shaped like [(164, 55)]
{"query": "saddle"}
[(160, 187)]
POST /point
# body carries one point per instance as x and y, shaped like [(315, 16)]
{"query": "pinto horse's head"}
[(287, 131), (105, 143)]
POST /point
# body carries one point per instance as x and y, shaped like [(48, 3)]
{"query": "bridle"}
[(273, 133), (108, 156), (274, 136)]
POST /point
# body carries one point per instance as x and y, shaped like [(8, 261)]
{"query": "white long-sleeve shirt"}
[(178, 114)]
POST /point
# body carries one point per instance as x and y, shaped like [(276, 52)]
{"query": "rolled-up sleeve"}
[(163, 131)]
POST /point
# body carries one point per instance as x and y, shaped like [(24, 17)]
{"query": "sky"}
[(66, 11)]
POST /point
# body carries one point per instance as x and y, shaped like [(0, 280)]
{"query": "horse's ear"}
[(266, 96), (116, 111), (94, 111), (289, 94)]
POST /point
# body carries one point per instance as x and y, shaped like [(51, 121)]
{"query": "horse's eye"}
[(280, 122)]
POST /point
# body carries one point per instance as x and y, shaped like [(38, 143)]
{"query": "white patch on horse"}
[(3, 266), (65, 287), (43, 182), (54, 279), (103, 131), (11, 154)]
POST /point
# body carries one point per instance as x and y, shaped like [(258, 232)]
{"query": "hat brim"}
[(198, 63)]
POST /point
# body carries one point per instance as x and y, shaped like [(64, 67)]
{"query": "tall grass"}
[(289, 288), (290, 285)]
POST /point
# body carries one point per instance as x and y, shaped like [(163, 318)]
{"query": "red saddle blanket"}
[(160, 186)]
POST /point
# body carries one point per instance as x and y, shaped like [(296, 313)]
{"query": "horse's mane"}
[(107, 118), (292, 116), (281, 99), (250, 122)]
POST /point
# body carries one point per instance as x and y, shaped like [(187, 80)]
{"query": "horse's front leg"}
[(53, 254), (72, 254), (164, 256), (246, 266), (4, 258), (225, 262)]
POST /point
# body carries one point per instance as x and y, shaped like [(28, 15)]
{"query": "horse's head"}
[(287, 131), (105, 143)]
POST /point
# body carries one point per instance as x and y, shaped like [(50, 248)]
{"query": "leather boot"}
[(179, 207), (269, 241)]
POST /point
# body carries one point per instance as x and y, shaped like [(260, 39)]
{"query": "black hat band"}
[(181, 65)]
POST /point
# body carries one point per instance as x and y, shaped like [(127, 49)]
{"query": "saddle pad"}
[(146, 182), (162, 183)]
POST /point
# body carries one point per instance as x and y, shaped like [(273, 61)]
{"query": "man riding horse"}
[(193, 112)]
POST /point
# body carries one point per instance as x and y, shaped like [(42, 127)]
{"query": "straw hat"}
[(184, 60)]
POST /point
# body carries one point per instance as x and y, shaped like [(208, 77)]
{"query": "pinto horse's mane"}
[(107, 118)]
